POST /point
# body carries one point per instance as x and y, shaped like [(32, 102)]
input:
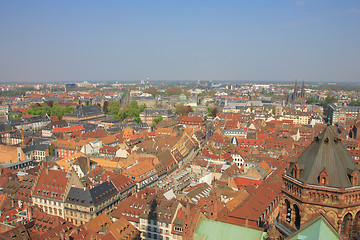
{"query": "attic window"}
[(323, 178), (354, 178), (326, 141)]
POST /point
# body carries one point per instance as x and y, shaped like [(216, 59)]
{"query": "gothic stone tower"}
[(324, 179)]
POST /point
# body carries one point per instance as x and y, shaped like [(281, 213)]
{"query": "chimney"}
[(46, 171), (108, 178)]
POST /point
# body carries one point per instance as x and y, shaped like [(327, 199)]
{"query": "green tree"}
[(156, 121), (113, 108), (137, 120), (209, 109), (311, 100), (274, 110), (53, 110), (354, 103), (131, 110), (51, 150), (329, 99)]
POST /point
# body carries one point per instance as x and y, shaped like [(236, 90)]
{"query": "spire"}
[(302, 93), (295, 91)]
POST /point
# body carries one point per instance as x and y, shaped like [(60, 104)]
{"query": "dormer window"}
[(296, 171), (323, 178), (354, 178)]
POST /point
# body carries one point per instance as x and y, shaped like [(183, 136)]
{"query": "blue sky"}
[(49, 41)]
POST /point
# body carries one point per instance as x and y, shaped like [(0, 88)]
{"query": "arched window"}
[(346, 225), (356, 227), (297, 216)]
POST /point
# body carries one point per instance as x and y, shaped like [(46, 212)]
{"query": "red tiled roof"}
[(122, 182), (130, 209), (243, 182), (51, 184), (108, 150), (69, 129)]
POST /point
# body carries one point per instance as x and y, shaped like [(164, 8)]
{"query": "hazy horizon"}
[(280, 41)]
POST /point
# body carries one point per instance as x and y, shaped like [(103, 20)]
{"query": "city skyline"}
[(123, 41)]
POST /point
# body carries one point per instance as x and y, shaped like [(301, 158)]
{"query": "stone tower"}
[(324, 179)]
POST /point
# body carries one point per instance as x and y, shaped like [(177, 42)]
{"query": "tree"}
[(214, 112), (137, 120), (105, 107), (273, 110), (210, 111), (153, 91), (329, 99), (53, 110), (113, 108), (311, 100), (354, 103), (51, 150), (182, 110), (211, 93), (173, 91), (156, 121), (131, 110)]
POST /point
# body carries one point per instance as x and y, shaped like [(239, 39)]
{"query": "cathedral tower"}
[(324, 179)]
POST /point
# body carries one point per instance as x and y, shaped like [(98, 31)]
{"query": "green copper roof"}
[(212, 230), (319, 228)]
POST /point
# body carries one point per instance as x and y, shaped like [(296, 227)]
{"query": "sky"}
[(69, 41)]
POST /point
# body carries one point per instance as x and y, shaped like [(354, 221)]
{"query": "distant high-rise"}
[(147, 81)]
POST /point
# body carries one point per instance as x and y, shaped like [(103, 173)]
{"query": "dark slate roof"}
[(51, 125), (327, 153), (86, 111), (91, 197), (88, 126), (39, 147), (34, 119)]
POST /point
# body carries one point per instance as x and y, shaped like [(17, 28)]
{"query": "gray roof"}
[(38, 147), (327, 153), (86, 111), (91, 197)]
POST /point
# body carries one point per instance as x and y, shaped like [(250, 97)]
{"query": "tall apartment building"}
[(341, 114)]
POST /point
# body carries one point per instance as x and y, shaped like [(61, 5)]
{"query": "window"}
[(179, 229)]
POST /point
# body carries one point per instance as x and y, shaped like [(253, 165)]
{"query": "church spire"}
[(295, 91), (302, 93)]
